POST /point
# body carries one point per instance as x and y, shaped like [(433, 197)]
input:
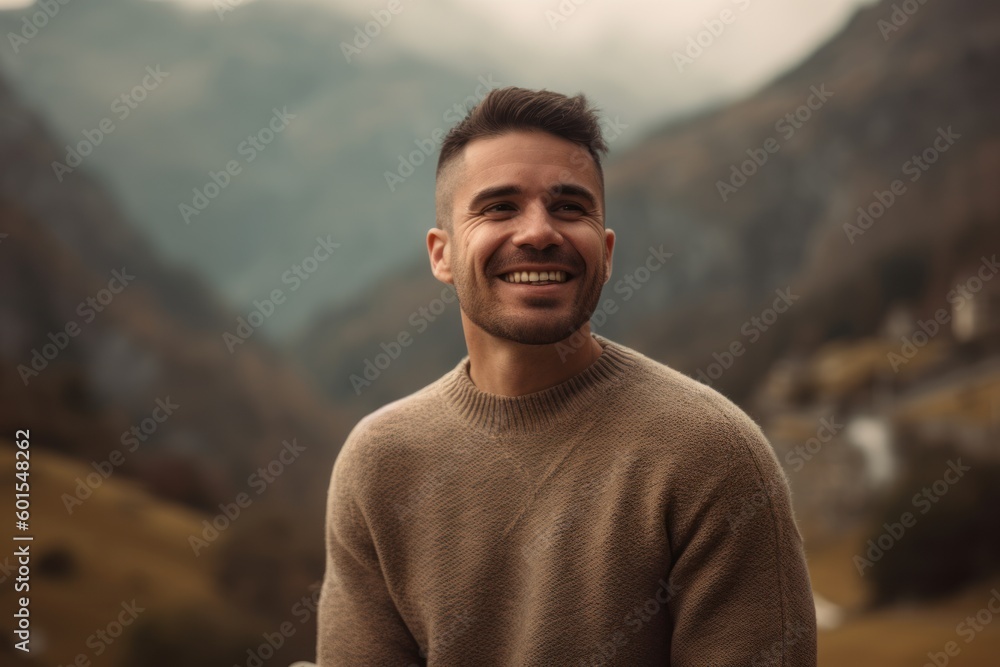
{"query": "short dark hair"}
[(511, 109)]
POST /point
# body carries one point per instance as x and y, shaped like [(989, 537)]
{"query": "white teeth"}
[(535, 276)]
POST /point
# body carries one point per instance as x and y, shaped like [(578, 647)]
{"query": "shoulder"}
[(712, 450), (662, 401), (384, 436)]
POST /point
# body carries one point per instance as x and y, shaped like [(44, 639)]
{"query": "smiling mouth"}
[(535, 277)]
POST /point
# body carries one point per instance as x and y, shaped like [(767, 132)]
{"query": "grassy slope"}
[(124, 543), (900, 636)]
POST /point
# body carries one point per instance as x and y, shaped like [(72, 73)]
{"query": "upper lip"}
[(537, 268)]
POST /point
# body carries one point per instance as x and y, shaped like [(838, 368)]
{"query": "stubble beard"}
[(481, 303)]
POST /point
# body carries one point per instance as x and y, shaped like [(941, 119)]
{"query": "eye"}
[(493, 207), (571, 205)]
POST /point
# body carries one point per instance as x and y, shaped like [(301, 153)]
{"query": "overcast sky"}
[(626, 44), (621, 51)]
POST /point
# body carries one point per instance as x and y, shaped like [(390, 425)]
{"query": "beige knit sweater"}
[(627, 516)]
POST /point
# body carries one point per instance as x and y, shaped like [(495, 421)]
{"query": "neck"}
[(507, 368)]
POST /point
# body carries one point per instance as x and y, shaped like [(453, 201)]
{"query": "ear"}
[(609, 242), (437, 249)]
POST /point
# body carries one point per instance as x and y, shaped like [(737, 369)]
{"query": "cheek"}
[(481, 253), (589, 244)]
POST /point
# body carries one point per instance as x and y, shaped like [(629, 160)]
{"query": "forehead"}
[(525, 155)]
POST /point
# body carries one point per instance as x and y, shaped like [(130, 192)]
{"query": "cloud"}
[(622, 51)]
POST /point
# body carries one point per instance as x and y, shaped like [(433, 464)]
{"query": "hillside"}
[(117, 364), (161, 335), (123, 547), (109, 350), (220, 80), (877, 103)]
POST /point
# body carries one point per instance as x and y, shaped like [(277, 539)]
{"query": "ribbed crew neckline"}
[(538, 410)]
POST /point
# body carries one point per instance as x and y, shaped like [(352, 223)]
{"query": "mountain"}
[(97, 334), (795, 222), (267, 90), (103, 338), (758, 202), (140, 412)]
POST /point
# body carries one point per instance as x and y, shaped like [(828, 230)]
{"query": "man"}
[(557, 498)]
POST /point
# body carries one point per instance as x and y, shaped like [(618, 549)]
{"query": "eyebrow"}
[(559, 189)]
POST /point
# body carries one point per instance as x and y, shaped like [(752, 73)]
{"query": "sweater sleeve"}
[(743, 596), (358, 623)]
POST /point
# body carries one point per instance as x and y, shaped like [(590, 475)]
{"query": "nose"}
[(536, 228)]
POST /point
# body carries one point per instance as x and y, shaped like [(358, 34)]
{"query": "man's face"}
[(525, 204)]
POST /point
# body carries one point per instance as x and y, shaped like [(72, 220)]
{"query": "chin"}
[(545, 331)]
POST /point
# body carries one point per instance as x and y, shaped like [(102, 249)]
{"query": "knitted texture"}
[(627, 516)]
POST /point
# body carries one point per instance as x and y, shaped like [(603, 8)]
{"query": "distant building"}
[(976, 315)]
